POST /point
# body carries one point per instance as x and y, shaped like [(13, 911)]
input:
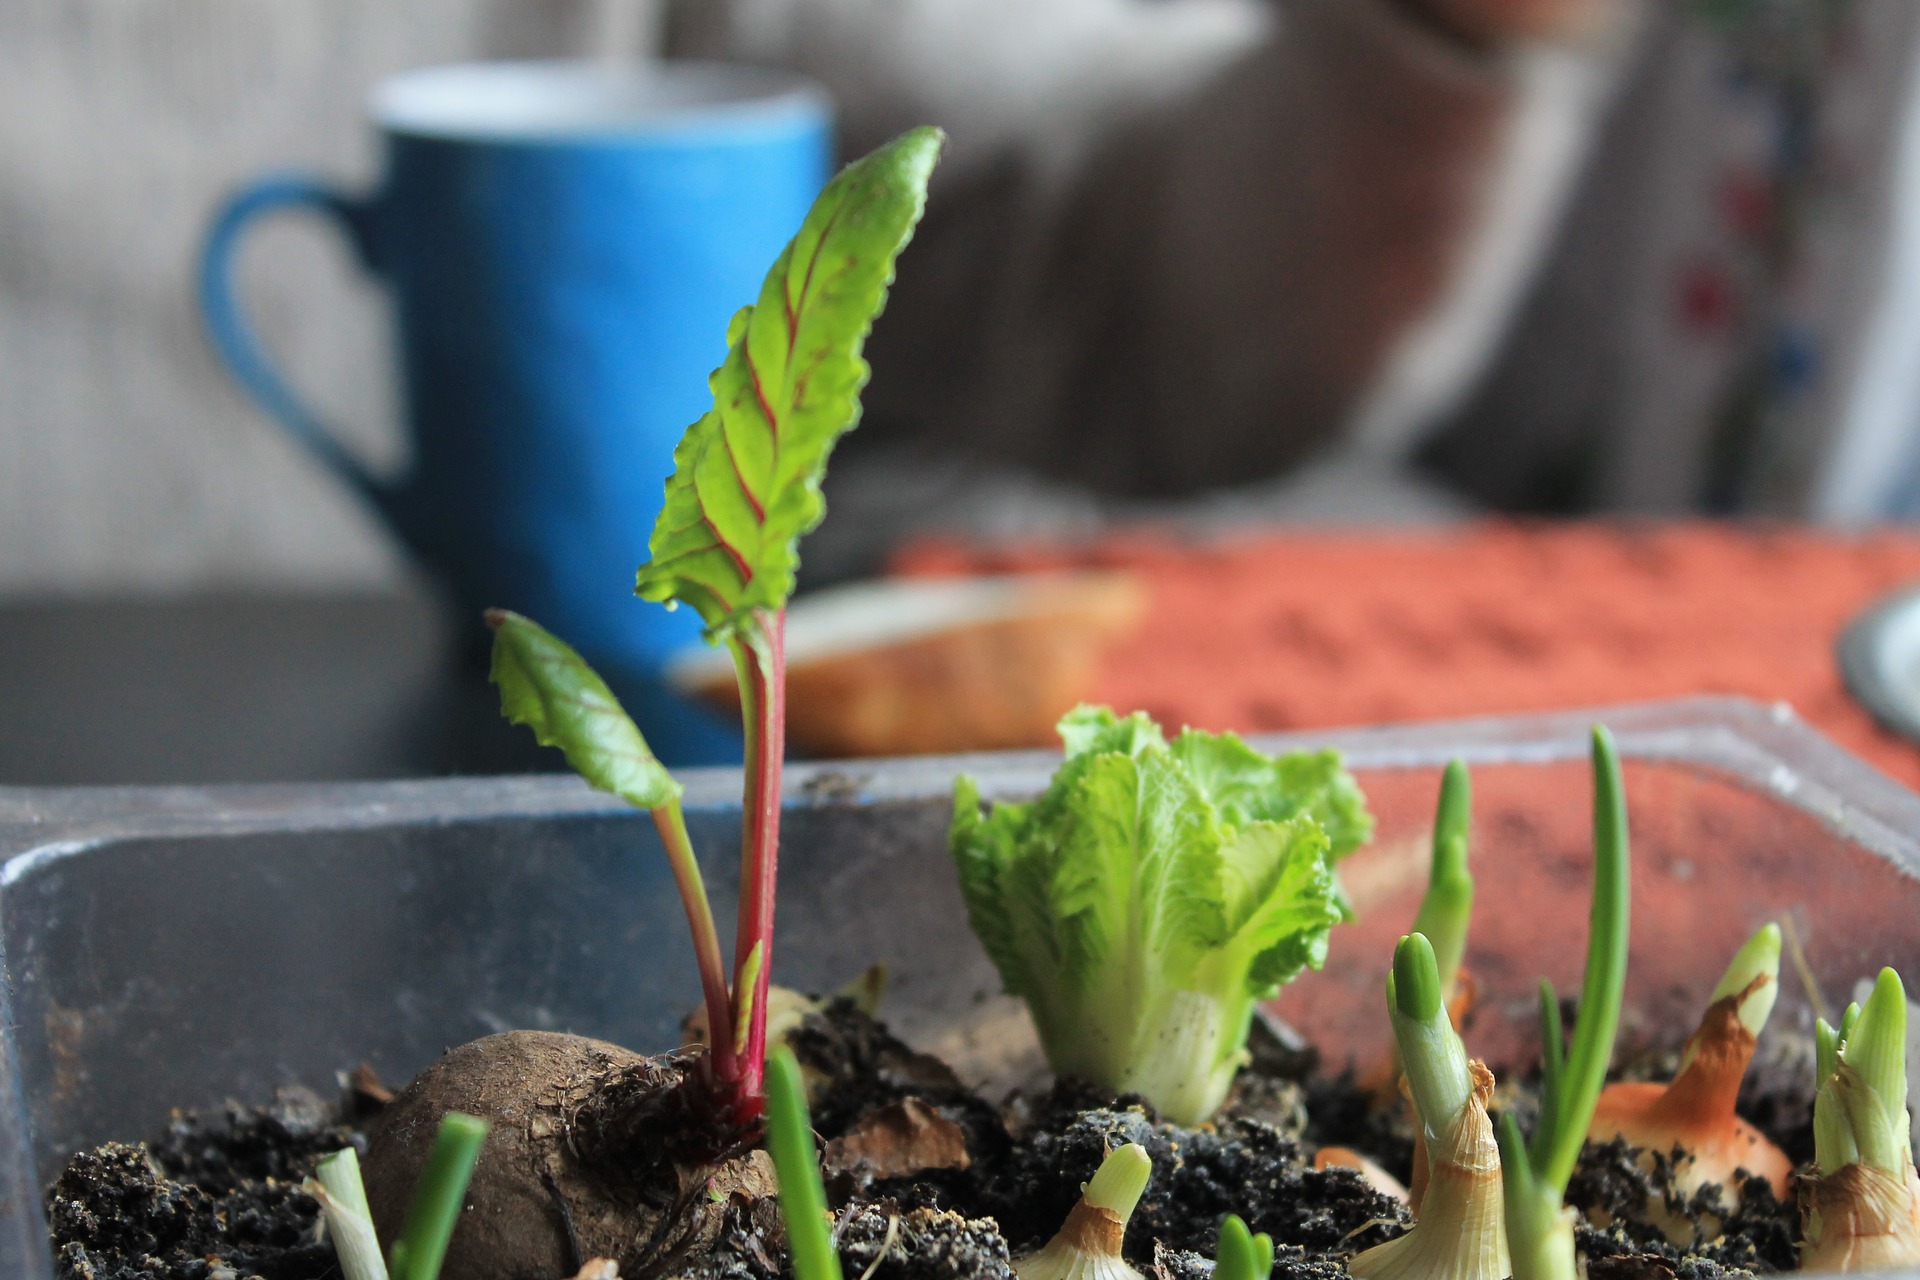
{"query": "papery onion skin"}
[(1860, 1218), (1461, 1233), (1695, 1111), (1087, 1247)]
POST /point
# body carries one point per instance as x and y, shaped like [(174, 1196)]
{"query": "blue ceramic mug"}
[(565, 243)]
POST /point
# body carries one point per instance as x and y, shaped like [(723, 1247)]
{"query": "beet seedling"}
[(745, 488)]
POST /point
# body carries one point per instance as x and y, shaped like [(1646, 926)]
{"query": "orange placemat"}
[(1305, 630)]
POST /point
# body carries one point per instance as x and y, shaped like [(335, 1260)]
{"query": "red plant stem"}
[(764, 708), (721, 1058)]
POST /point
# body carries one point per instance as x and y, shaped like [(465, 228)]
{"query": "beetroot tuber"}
[(595, 1152)]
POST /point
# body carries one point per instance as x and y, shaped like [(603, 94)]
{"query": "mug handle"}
[(233, 338)]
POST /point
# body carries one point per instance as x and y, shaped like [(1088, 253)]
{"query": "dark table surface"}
[(248, 688)]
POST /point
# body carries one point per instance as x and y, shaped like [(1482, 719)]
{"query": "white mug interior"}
[(559, 101)]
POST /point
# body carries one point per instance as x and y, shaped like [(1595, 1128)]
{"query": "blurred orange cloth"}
[(1308, 630)]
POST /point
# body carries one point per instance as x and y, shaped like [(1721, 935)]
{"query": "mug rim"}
[(580, 100)]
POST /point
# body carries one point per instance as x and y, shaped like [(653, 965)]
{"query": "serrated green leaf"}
[(1331, 795), (1083, 726), (746, 479), (1179, 859), (1088, 730), (1281, 900), (549, 688), (1293, 955), (1091, 880), (1246, 785), (1293, 908), (983, 851)]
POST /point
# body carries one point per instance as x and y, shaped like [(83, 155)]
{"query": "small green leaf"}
[(1447, 909), (746, 479), (1262, 1256), (549, 688), (1873, 1073), (746, 983), (1573, 1081), (1826, 1051)]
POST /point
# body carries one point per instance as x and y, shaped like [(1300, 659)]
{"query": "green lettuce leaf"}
[(1282, 899), (1087, 729), (746, 478), (549, 688), (983, 852), (1152, 894), (1248, 786)]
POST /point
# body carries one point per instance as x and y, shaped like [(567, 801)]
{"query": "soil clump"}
[(210, 1197)]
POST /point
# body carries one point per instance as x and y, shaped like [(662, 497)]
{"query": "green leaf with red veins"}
[(746, 479)]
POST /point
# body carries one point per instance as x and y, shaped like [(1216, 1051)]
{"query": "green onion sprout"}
[(1088, 1245), (1539, 1226), (1861, 1209), (1694, 1112), (1458, 1234), (1448, 905), (1241, 1255), (803, 1198), (343, 1200), (437, 1198)]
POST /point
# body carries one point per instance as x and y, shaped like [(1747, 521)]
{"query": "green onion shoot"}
[(343, 1202), (1241, 1255), (437, 1198), (803, 1198), (1458, 1233), (1447, 907), (1539, 1225), (1088, 1245), (1861, 1209)]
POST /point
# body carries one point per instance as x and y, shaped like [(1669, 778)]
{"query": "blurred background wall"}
[(128, 461), (1717, 323)]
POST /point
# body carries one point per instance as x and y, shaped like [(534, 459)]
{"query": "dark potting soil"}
[(217, 1198), (212, 1197)]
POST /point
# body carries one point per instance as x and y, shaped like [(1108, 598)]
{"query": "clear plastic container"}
[(183, 946)]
